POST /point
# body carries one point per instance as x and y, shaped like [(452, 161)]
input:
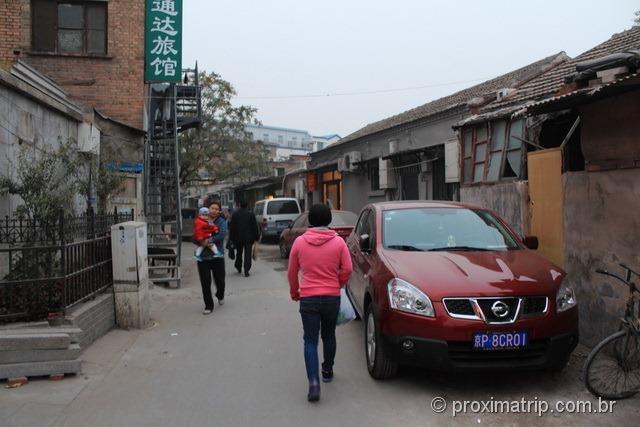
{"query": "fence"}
[(47, 268)]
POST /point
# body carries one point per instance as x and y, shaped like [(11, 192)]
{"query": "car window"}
[(276, 207), (343, 218), (258, 209), (444, 229), (371, 228), (362, 223), (301, 221)]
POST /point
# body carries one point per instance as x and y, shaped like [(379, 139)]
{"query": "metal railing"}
[(46, 269)]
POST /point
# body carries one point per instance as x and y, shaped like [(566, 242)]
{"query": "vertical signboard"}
[(163, 41)]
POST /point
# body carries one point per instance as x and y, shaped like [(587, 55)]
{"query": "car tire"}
[(284, 252), (379, 365)]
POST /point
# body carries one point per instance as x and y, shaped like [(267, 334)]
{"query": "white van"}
[(274, 215)]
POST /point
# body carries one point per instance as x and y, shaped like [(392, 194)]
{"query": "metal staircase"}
[(173, 108)]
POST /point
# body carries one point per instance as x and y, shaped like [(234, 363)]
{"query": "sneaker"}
[(327, 376), (314, 393), (246, 274), (221, 301), (207, 311)]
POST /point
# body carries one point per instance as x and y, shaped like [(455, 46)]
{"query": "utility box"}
[(130, 274)]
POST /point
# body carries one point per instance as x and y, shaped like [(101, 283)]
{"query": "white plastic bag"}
[(346, 313)]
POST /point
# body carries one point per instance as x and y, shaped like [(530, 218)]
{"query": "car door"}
[(357, 282), (298, 228)]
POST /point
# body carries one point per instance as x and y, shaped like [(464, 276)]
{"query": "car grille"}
[(482, 308), (533, 306), (462, 354), (461, 307), (486, 305)]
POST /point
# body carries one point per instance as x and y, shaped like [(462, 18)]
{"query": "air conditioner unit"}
[(387, 177), (347, 163)]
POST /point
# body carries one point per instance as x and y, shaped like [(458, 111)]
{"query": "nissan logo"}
[(500, 309)]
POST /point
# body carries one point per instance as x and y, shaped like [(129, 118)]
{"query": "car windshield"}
[(343, 219), (276, 207), (444, 229)]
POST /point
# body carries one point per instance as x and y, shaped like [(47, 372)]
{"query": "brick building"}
[(94, 51)]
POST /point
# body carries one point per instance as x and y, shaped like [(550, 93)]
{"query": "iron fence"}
[(45, 270)]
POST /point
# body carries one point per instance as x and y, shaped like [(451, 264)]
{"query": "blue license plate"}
[(281, 225), (500, 340)]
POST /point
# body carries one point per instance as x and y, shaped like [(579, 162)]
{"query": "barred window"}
[(75, 27)]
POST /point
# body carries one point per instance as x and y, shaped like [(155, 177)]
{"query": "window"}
[(279, 171), (442, 229), (320, 145), (280, 139), (276, 207), (492, 152), (69, 27), (374, 175)]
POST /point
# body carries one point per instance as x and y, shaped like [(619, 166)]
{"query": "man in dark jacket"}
[(243, 232)]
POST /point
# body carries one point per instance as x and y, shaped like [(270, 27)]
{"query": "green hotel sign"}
[(163, 41)]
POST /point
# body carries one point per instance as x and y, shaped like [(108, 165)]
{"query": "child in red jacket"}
[(203, 229)]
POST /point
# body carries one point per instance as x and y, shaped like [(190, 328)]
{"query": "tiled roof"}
[(548, 84), (510, 80)]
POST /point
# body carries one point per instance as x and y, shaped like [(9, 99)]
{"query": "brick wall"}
[(95, 317), (10, 33), (113, 84)]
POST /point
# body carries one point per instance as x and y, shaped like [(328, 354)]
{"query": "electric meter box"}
[(130, 273)]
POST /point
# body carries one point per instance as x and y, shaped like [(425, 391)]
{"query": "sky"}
[(305, 64)]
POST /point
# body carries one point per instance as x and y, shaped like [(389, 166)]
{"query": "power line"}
[(368, 92)]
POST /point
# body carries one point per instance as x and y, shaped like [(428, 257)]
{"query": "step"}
[(34, 342), (23, 356), (35, 369), (162, 245), (163, 256), (24, 325), (74, 333)]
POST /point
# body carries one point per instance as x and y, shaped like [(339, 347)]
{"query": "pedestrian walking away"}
[(243, 232), (325, 263), (211, 264)]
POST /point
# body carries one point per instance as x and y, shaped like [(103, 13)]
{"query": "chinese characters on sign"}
[(163, 41)]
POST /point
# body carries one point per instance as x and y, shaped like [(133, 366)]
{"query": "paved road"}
[(243, 366)]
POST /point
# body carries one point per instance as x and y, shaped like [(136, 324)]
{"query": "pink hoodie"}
[(325, 263)]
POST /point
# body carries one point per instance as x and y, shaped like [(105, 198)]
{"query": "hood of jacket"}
[(318, 237)]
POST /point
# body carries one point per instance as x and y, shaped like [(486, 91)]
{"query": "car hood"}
[(490, 273)]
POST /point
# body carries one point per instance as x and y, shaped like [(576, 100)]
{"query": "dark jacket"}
[(243, 227), (217, 239)]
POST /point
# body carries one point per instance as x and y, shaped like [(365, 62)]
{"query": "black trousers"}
[(207, 269), (243, 248)]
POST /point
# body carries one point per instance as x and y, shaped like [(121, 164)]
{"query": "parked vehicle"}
[(342, 222), (275, 215), (450, 286), (612, 370)]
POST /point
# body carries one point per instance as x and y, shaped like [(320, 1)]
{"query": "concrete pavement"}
[(243, 366)]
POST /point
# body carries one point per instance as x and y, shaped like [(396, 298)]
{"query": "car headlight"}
[(565, 299), (404, 296)]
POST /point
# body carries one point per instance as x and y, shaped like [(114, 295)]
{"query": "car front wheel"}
[(284, 253), (379, 365)]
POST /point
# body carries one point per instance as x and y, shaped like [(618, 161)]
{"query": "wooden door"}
[(546, 202)]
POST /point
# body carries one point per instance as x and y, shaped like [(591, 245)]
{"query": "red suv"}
[(452, 287)]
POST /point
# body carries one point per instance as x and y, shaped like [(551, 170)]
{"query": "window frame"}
[(485, 162), (85, 29)]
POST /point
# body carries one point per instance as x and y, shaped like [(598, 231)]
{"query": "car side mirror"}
[(365, 243), (531, 242)]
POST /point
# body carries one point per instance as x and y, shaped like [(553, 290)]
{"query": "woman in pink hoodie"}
[(324, 261)]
